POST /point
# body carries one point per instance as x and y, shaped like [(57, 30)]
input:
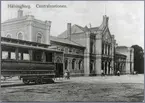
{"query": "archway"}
[(59, 67), (80, 64), (73, 64), (106, 67), (92, 67)]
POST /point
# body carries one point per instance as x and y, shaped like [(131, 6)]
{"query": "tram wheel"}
[(26, 81), (49, 81)]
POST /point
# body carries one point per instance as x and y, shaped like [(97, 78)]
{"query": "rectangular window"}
[(5, 55), (37, 56), (48, 57), (26, 56), (13, 55)]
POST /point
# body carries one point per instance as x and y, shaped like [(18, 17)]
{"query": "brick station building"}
[(86, 51)]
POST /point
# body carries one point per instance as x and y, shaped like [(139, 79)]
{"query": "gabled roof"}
[(83, 29), (65, 41), (74, 30), (77, 29)]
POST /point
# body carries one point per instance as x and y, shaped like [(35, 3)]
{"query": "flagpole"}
[(105, 8)]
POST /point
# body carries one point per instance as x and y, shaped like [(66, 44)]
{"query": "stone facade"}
[(73, 55), (27, 28), (99, 46), (86, 51)]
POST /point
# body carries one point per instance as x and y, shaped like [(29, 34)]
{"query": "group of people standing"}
[(67, 74), (103, 74)]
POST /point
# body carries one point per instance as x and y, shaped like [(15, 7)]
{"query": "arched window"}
[(91, 66), (80, 64), (92, 47), (73, 64), (102, 48), (108, 49), (8, 35), (39, 38), (20, 36), (66, 63)]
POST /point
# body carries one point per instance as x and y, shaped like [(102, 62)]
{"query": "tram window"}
[(10, 55), (26, 56), (37, 56), (13, 55), (48, 57), (4, 55)]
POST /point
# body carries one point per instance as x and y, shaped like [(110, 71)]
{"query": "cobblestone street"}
[(126, 88)]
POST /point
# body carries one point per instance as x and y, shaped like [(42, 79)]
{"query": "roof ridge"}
[(65, 40), (76, 43), (82, 28)]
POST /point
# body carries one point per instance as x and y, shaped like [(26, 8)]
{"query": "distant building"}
[(86, 51), (120, 63), (129, 52)]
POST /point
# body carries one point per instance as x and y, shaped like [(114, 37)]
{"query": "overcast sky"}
[(126, 18)]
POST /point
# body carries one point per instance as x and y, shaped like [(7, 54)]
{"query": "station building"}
[(86, 51)]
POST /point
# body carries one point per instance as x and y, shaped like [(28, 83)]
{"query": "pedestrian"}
[(118, 73), (102, 73), (65, 75), (68, 74)]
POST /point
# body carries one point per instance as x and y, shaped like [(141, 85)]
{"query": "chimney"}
[(20, 13), (48, 25), (69, 31), (105, 20)]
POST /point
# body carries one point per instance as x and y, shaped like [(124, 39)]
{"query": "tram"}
[(32, 62)]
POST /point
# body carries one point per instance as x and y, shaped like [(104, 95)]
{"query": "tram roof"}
[(27, 47)]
